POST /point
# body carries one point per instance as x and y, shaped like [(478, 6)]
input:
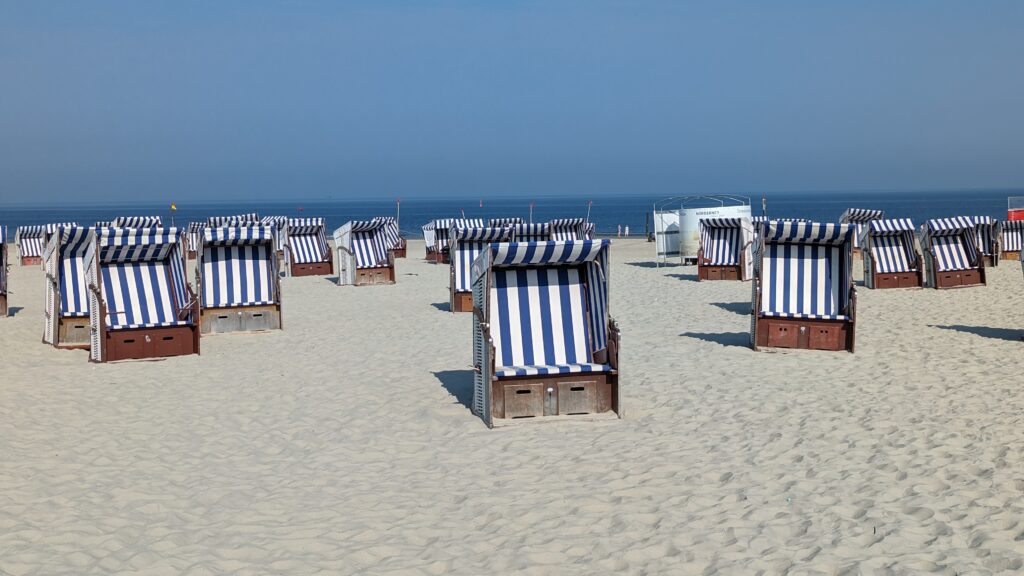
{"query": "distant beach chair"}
[(392, 236), (194, 238), (104, 223), (233, 220), (307, 251), (1012, 240), (66, 309), (4, 269), (466, 244), (279, 223), (238, 280), (363, 255), (32, 240), (137, 222), (543, 342), (503, 222), (859, 217), (428, 242), (726, 249), (891, 259), (987, 232), (442, 235), (531, 232), (568, 229), (140, 303), (803, 293), (951, 257)]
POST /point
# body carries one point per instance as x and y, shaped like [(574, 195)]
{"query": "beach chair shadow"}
[(653, 264), (1011, 334), (442, 306), (684, 277), (13, 310), (741, 308), (331, 279), (458, 383), (741, 339)]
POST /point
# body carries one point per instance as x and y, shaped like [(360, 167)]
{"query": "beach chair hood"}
[(65, 265)]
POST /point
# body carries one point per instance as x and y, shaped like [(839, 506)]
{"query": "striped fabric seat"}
[(539, 323), (392, 236), (74, 300), (233, 220), (568, 229), (368, 244), (891, 243), (531, 232), (952, 241), (467, 244), (805, 272), (239, 266), (721, 241), (1013, 235), (428, 236), (137, 222), (307, 240), (142, 273)]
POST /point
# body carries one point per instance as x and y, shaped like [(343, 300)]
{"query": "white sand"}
[(343, 444)]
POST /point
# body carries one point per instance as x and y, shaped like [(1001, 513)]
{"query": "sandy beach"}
[(344, 444)]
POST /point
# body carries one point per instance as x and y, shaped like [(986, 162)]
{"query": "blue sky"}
[(236, 99)]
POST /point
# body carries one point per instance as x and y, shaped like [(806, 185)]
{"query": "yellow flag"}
[(174, 206)]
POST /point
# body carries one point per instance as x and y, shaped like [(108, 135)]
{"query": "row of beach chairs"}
[(437, 233)]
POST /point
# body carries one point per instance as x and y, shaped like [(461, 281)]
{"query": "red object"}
[(1017, 214)]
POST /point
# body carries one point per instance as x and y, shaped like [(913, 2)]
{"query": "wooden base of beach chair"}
[(191, 254), (375, 276), (809, 334), (31, 260), (564, 394), (897, 280), (239, 319), (398, 252), (960, 278), (988, 261), (462, 302), (705, 272), (313, 269), (73, 333), (142, 343), (438, 257), (1005, 255), (3, 305)]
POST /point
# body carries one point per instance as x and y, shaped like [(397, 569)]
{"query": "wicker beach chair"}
[(363, 255), (66, 309), (307, 252), (726, 249), (1012, 239), (543, 342), (951, 257), (466, 244), (891, 259), (237, 279), (140, 303), (568, 229), (803, 294), (859, 217)]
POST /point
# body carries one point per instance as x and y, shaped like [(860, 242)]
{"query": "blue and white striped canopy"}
[(305, 225), (721, 222), (239, 235), (392, 236), (949, 226), (136, 244), (251, 217), (891, 226), (137, 222), (721, 240), (808, 232), (551, 252), (861, 215), (307, 241), (490, 234), (568, 229), (238, 266), (467, 244), (74, 242), (104, 223)]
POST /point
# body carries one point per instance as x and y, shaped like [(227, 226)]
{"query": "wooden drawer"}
[(783, 334)]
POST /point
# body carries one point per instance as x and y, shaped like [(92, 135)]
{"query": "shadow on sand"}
[(458, 383), (741, 308), (1011, 334), (13, 310), (741, 339), (683, 277), (442, 306), (653, 264)]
